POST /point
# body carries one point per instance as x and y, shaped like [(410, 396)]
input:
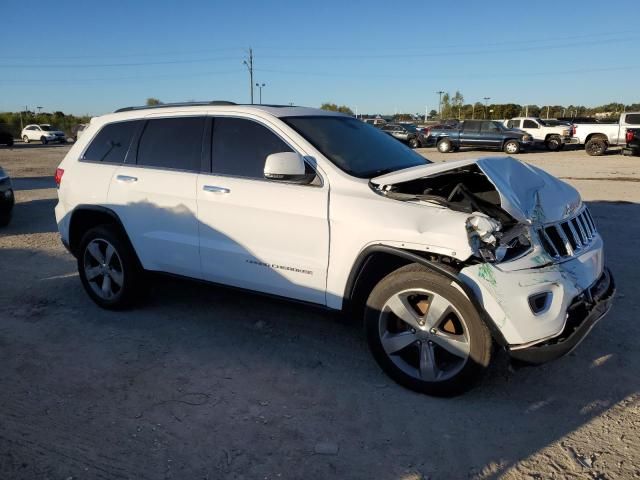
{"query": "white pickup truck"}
[(553, 136), (597, 137)]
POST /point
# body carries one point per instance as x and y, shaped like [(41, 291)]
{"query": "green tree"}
[(332, 107), (153, 101)]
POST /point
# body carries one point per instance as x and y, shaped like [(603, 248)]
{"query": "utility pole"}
[(426, 113), (440, 92), (526, 110), (486, 99), (249, 63), (547, 112)]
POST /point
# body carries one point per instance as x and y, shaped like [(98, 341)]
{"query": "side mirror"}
[(286, 167)]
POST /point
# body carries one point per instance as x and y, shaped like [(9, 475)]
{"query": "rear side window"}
[(633, 119), (172, 143), (240, 147), (111, 143), (471, 127)]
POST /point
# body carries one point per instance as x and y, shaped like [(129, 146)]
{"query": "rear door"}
[(470, 134), (255, 233), (154, 193)]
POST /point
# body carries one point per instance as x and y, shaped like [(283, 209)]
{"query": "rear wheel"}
[(43, 140), (25, 139), (511, 147), (444, 145), (414, 143), (554, 143), (425, 334), (596, 146), (108, 268)]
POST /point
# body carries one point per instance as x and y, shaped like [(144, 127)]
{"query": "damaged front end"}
[(535, 253)]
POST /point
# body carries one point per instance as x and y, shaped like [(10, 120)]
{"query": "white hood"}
[(527, 193)]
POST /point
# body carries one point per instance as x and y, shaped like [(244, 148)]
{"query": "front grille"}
[(569, 237)]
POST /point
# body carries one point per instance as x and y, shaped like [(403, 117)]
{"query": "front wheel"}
[(511, 147), (25, 139), (553, 143), (108, 268), (425, 334), (43, 140), (414, 143)]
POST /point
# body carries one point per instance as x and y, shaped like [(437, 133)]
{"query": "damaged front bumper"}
[(582, 314)]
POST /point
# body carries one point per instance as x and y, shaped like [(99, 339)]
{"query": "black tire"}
[(25, 139), (10, 143), (511, 147), (444, 145), (414, 143), (479, 339), (129, 270), (554, 143), (596, 146), (44, 140), (5, 218)]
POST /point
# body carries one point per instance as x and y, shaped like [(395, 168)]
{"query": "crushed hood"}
[(527, 193)]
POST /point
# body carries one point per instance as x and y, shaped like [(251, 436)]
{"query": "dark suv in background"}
[(482, 134), (406, 133)]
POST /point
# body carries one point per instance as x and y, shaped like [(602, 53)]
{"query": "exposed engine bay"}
[(495, 236)]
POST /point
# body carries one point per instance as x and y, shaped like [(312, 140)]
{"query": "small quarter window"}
[(110, 145)]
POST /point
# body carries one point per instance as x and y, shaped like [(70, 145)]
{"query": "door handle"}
[(214, 189), (126, 179)]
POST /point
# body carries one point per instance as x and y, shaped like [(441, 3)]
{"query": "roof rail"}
[(178, 104)]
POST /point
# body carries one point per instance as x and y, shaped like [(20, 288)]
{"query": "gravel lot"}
[(202, 382)]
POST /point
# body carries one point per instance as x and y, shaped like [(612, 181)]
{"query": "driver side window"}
[(241, 146)]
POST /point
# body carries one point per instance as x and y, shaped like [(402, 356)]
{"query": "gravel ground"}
[(202, 382)]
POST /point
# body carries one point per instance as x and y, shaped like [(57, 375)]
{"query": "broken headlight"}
[(495, 243)]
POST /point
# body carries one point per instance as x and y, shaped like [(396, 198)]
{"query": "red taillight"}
[(629, 136), (58, 176), (573, 130)]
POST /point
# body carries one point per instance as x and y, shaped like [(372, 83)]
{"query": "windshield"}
[(355, 147)]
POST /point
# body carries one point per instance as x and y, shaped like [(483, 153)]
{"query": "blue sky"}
[(377, 56)]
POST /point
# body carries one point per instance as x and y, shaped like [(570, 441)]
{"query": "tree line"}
[(16, 121)]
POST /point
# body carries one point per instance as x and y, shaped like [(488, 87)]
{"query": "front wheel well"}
[(380, 261)]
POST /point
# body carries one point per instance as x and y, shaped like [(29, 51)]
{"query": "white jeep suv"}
[(442, 261)]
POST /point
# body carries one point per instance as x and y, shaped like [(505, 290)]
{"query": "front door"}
[(267, 236)]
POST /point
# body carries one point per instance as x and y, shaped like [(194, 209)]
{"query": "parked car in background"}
[(480, 133), (7, 199), (77, 130), (376, 122), (598, 137), (633, 142), (553, 137), (6, 138), (406, 133), (43, 133)]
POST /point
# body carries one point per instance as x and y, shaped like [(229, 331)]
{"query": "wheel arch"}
[(377, 261), (85, 217), (597, 135)]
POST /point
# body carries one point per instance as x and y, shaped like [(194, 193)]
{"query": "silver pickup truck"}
[(598, 137)]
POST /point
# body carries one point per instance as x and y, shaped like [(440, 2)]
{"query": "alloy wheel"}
[(103, 269), (424, 335)]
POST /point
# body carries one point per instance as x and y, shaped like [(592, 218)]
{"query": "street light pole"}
[(486, 99), (440, 92), (249, 64), (260, 85)]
